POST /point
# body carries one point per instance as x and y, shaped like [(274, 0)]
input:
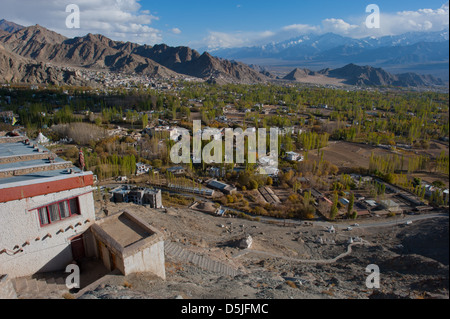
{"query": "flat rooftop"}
[(26, 164), (31, 163), (125, 231), (27, 179), (126, 234), (19, 149)]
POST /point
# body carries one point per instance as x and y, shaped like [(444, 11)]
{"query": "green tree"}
[(144, 121), (253, 184), (351, 204)]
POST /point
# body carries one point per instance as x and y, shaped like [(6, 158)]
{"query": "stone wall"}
[(150, 259), (35, 169), (23, 158), (14, 139)]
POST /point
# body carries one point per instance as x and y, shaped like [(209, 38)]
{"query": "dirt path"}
[(305, 261)]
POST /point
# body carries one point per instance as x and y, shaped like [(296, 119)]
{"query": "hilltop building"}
[(46, 209), (47, 217)]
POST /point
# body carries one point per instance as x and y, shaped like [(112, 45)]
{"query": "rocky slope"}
[(35, 54), (17, 69), (413, 261), (9, 26), (353, 74), (101, 53), (406, 51), (298, 74)]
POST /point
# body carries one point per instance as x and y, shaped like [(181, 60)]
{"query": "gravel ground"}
[(413, 260)]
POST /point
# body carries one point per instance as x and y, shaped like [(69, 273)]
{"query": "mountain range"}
[(37, 55), (415, 51), (353, 74), (38, 45)]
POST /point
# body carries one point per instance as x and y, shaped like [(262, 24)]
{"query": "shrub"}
[(81, 133), (253, 184)]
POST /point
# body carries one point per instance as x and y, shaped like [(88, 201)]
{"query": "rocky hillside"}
[(33, 54), (97, 52), (368, 76), (353, 74), (298, 74), (9, 26), (286, 262), (17, 69)]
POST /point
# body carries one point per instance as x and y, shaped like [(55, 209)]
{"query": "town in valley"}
[(357, 175)]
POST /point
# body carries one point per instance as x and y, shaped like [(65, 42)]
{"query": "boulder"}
[(246, 242)]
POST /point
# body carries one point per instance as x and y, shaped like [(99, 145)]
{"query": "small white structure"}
[(127, 243), (41, 139), (292, 156), (142, 169)]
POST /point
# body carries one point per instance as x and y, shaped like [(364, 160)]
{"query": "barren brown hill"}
[(17, 69), (298, 74), (370, 76), (101, 53), (353, 74), (97, 52), (9, 27)]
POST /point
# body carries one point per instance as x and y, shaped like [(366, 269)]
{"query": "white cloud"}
[(216, 40), (300, 28), (119, 19), (420, 20), (175, 31), (390, 24), (338, 26)]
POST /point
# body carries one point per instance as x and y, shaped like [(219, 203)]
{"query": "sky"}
[(213, 24)]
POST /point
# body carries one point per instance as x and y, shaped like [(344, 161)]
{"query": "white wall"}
[(150, 259), (19, 223)]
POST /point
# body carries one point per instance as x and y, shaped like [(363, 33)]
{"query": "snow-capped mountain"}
[(311, 45), (422, 52)]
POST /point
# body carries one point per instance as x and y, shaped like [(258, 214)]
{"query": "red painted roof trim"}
[(27, 191)]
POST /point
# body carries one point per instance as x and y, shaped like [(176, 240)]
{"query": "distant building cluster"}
[(138, 196)]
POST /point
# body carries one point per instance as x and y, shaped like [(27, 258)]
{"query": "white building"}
[(46, 209), (292, 156), (142, 169)]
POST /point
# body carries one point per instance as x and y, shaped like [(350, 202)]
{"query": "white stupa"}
[(41, 139)]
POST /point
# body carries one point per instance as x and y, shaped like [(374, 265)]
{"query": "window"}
[(43, 216), (55, 212), (74, 208), (64, 209)]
